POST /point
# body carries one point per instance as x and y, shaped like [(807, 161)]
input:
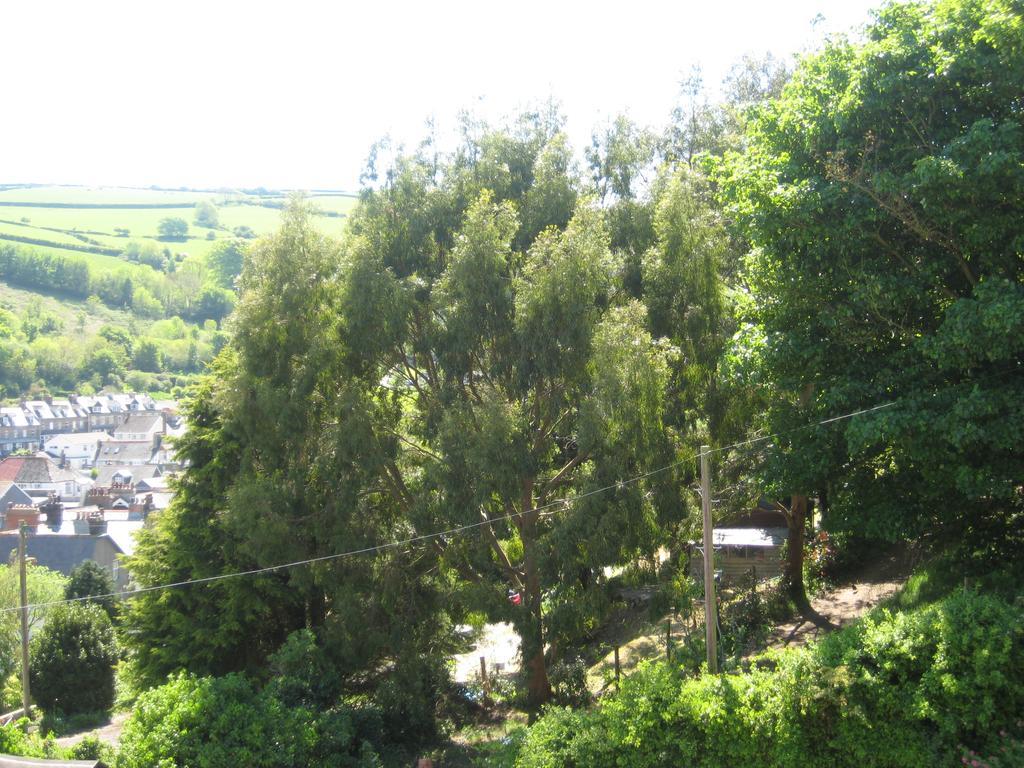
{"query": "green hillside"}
[(94, 294), (105, 218)]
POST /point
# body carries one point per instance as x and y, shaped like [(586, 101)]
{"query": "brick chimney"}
[(21, 513)]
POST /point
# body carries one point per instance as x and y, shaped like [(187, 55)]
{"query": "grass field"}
[(98, 216)]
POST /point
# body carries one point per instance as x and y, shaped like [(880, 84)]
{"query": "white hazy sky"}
[(292, 94)]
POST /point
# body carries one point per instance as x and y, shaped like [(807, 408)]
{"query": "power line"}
[(563, 503)]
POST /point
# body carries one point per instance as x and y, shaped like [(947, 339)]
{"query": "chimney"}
[(19, 513), (97, 525)]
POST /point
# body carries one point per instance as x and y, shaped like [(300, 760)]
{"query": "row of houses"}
[(95, 520), (85, 475), (26, 425)]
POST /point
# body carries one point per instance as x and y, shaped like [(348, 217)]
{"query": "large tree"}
[(882, 194), (467, 358)]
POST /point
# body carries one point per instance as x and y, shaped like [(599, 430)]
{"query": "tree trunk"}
[(532, 634), (796, 521)]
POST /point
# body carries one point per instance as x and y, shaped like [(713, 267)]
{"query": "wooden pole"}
[(617, 668), (710, 610), (25, 697), (483, 674)]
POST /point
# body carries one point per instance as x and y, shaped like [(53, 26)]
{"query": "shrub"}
[(222, 722), (91, 748), (903, 689), (73, 659)]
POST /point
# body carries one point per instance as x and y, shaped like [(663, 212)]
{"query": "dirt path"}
[(109, 733), (842, 605), (499, 645)]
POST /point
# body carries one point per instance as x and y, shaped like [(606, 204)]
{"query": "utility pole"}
[(25, 698), (710, 609)]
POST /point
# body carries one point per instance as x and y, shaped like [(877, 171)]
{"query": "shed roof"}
[(10, 761), (105, 474), (749, 537)]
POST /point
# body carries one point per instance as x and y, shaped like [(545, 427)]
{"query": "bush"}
[(91, 748), (898, 689), (15, 741), (222, 722), (73, 659)]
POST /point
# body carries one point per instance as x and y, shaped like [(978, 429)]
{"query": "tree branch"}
[(503, 561)]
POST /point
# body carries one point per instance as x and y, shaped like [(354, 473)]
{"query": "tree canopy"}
[(882, 196), (469, 356)]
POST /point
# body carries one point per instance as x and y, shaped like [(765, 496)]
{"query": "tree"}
[(92, 580), (173, 228), (44, 587), (213, 304), (206, 214), (104, 361), (880, 194), (148, 356), (118, 337), (73, 659), (456, 363), (225, 262)]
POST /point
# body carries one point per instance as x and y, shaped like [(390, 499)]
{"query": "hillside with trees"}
[(486, 402), (125, 259)]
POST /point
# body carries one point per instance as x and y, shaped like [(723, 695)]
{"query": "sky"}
[(293, 94)]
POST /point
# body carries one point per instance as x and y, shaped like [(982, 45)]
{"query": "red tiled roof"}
[(10, 467)]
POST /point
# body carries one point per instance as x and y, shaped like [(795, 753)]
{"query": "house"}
[(57, 416), (65, 550), (127, 453), (141, 426), (19, 431), (122, 474), (39, 476), (76, 450), (106, 412), (88, 535), (12, 494)]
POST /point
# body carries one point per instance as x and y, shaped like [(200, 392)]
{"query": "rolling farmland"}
[(100, 221)]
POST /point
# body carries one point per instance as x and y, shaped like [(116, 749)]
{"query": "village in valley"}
[(83, 474)]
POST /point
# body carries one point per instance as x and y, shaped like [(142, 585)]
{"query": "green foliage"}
[(92, 580), (881, 194), (467, 352), (173, 228), (225, 261), (15, 740), (205, 214), (224, 722), (148, 356), (901, 689), (93, 748), (73, 659), (44, 586)]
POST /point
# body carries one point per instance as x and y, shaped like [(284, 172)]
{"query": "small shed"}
[(737, 550)]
